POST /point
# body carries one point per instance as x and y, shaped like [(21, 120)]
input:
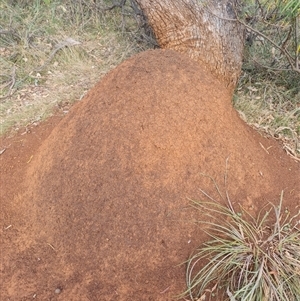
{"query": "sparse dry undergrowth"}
[(271, 107), (52, 53), (51, 58)]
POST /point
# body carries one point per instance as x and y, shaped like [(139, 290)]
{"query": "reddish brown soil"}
[(100, 209)]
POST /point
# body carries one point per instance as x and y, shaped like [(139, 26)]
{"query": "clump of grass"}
[(247, 259)]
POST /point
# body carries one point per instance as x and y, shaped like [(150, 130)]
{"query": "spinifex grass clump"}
[(247, 258)]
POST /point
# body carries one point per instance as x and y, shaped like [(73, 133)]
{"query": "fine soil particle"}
[(100, 208)]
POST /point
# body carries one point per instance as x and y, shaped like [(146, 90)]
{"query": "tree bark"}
[(204, 30)]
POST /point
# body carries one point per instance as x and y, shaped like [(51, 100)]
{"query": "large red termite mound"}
[(107, 201)]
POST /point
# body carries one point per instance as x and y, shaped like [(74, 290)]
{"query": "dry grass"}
[(42, 71), (271, 107), (268, 95)]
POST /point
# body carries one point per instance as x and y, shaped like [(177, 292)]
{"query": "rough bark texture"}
[(202, 30)]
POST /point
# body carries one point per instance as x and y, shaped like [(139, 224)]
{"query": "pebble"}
[(57, 291)]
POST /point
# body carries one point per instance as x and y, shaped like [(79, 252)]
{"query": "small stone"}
[(57, 291)]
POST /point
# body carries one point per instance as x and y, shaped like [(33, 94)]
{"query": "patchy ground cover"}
[(51, 55)]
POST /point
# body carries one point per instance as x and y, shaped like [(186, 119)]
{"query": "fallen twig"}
[(66, 43), (10, 83)]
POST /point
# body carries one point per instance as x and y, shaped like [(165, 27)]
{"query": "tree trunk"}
[(204, 30)]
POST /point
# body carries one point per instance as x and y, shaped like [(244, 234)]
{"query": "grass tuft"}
[(246, 258)]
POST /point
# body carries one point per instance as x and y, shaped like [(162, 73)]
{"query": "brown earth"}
[(100, 209)]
